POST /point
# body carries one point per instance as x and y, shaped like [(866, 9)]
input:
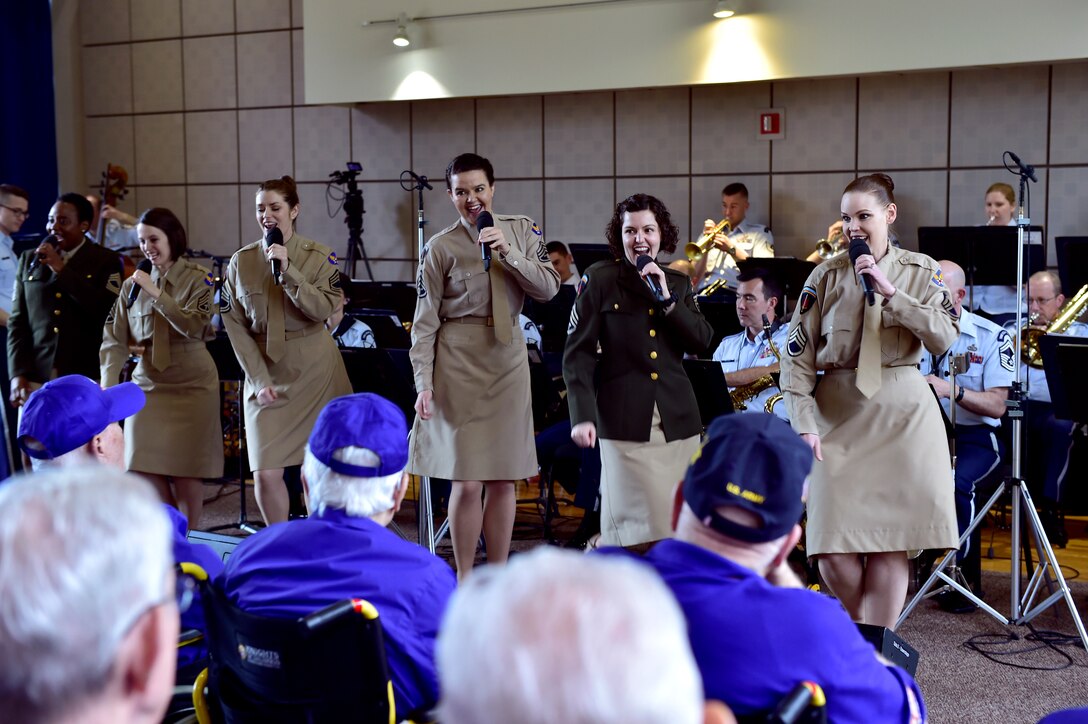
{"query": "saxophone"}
[(1029, 336), (740, 395)]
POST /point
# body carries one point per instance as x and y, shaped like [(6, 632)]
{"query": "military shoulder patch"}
[(542, 251), (536, 229), (582, 284), (114, 283), (808, 298), (421, 284), (938, 279), (1005, 350), (332, 258), (948, 305), (209, 280), (798, 341)]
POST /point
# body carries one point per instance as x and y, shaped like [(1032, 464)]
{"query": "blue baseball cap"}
[(66, 413), (362, 420), (755, 462)]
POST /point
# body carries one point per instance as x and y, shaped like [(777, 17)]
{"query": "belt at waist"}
[(481, 321), (854, 370), (181, 344), (294, 334)]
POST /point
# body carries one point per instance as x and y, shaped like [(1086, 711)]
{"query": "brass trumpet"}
[(827, 248), (702, 245)]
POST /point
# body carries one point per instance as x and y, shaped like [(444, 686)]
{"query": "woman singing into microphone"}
[(635, 398), (167, 310), (277, 328), (883, 483)]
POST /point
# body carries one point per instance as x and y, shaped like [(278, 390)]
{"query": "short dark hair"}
[(771, 286), (469, 162), (735, 188), (670, 235), (8, 190), (84, 210), (170, 225), (557, 247)]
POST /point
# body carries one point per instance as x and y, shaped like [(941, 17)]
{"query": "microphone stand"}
[(1022, 609), (409, 181)]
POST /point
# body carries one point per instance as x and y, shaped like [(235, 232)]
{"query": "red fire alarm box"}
[(771, 124)]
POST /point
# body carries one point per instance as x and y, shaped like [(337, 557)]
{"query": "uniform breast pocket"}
[(255, 306), (472, 286), (143, 323)]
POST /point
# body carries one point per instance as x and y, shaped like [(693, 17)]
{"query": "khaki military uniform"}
[(311, 371), (178, 431), (636, 393), (481, 426), (56, 320), (885, 483)]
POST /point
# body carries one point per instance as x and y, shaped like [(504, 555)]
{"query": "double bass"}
[(113, 188)]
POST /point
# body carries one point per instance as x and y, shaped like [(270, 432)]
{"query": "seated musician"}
[(1046, 439), (746, 356), (981, 391), (743, 240)]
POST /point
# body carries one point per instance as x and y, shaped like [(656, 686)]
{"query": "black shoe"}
[(952, 601)]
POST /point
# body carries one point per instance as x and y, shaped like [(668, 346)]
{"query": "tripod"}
[(1022, 609), (353, 217)]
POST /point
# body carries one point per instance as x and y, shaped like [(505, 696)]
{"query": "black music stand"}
[(389, 333), (586, 255), (983, 252), (790, 272), (711, 392), (1064, 359), (721, 311), (399, 296), (1072, 262)]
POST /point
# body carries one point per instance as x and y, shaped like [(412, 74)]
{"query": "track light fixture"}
[(722, 10), (401, 38)]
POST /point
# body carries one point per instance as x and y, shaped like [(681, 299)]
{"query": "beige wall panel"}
[(210, 80), (264, 69), (920, 200), (820, 125), (167, 197), (108, 140), (297, 83), (723, 127), (156, 76), (107, 80), (204, 17), (389, 224), (652, 132), (578, 135), (804, 206), (903, 121), (262, 14), (321, 141), (156, 19), (313, 220), (381, 139), (211, 147), (509, 134), (160, 149), (104, 21), (1069, 114), (213, 220), (1067, 207), (265, 144), (577, 210), (440, 131), (522, 197), (996, 110), (296, 13)]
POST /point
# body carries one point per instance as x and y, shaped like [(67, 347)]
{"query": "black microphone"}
[(655, 287), (271, 237), (145, 267), (37, 260), (857, 248), (485, 221), (1025, 169)]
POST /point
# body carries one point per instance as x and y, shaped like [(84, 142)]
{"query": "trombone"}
[(696, 249)]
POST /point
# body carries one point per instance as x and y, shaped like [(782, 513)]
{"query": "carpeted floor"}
[(1024, 677)]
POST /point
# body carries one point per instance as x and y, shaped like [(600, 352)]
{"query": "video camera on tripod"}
[(353, 210)]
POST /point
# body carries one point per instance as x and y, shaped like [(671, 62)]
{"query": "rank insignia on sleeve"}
[(334, 280), (332, 258), (581, 284), (808, 298), (536, 229), (225, 303), (798, 340), (573, 324), (209, 279), (541, 251), (948, 305), (1005, 350), (938, 279), (205, 302), (114, 283), (421, 286), (109, 317)]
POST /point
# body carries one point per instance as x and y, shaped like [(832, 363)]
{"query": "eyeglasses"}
[(1040, 300), (23, 214)]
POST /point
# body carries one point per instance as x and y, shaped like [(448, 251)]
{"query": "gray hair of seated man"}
[(84, 553), (359, 497), (556, 636)]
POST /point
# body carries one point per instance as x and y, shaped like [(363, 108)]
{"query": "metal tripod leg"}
[(425, 517)]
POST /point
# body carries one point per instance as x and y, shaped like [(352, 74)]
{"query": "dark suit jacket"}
[(641, 354), (57, 319)]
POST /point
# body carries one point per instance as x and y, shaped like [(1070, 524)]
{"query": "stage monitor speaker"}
[(891, 646)]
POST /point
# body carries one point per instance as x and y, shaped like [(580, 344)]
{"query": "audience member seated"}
[(89, 621), (354, 481), (555, 636), (755, 630)]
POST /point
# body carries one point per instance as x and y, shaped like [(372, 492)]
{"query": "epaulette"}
[(914, 258)]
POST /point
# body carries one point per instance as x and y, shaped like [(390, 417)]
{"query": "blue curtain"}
[(28, 139)]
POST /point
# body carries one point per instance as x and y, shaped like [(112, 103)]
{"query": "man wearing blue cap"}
[(354, 480), (755, 630)]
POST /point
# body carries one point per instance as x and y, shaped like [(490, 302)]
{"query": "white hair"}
[(556, 636), (359, 497), (84, 551)]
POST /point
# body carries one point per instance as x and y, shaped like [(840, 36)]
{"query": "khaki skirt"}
[(481, 427), (309, 375), (885, 483), (179, 431), (637, 484)]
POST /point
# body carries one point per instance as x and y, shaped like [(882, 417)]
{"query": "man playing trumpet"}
[(739, 241), (746, 357)]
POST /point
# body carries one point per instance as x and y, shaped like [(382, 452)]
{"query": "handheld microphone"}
[(484, 221), (37, 260), (1025, 169), (857, 248), (145, 267), (271, 237), (655, 287)]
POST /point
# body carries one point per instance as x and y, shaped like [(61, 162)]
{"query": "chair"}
[(328, 666)]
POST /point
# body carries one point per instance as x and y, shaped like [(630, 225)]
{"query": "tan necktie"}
[(275, 344), (500, 305), (160, 338), (868, 377)]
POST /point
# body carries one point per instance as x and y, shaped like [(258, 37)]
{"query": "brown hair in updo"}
[(285, 186), (879, 185), (1005, 190)]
